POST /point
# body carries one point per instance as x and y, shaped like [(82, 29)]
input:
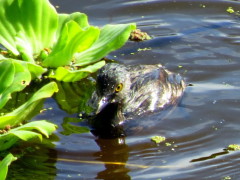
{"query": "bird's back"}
[(152, 88)]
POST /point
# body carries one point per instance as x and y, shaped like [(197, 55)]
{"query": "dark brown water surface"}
[(197, 39)]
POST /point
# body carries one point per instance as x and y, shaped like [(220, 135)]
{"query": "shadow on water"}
[(212, 156)]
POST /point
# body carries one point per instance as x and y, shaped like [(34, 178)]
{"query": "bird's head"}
[(113, 85)]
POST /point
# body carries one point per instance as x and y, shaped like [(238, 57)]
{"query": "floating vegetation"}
[(233, 147), (203, 5), (226, 178), (144, 49), (138, 35), (158, 139), (4, 165), (230, 10), (36, 43), (168, 144)]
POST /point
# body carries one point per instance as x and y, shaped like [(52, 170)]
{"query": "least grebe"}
[(124, 91)]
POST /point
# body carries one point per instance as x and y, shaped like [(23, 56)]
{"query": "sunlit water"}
[(197, 39)]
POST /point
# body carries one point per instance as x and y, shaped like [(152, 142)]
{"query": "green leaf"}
[(44, 127), (25, 135), (14, 77), (78, 17), (111, 38), (26, 132), (66, 75), (7, 72), (69, 128), (72, 39), (4, 165), (73, 97), (7, 141), (35, 70), (20, 114), (27, 27), (19, 98)]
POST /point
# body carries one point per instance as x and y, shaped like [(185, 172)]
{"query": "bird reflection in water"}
[(114, 153)]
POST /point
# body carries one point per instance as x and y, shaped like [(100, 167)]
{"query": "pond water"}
[(197, 39)]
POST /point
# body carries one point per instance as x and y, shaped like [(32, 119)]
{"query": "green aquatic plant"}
[(233, 147), (35, 40), (30, 131), (74, 97), (64, 43), (230, 10), (158, 139), (63, 46), (21, 113), (4, 165), (12, 131), (9, 135), (13, 77)]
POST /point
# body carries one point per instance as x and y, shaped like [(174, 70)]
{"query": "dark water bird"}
[(125, 91)]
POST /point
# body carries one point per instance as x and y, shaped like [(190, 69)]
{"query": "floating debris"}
[(230, 10), (226, 178), (6, 129), (138, 35), (233, 147), (45, 109), (144, 49), (158, 139), (168, 144)]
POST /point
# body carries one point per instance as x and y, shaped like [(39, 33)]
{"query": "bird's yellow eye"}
[(119, 87)]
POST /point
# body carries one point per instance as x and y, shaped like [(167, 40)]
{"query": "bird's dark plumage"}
[(136, 89)]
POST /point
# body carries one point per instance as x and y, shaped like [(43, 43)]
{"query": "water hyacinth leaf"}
[(78, 17), (67, 75), (4, 165), (24, 135), (111, 38), (7, 72), (44, 127), (35, 70), (73, 97), (7, 141), (27, 27), (72, 39), (68, 97), (30, 131), (19, 98), (24, 47), (14, 77), (21, 113), (69, 128)]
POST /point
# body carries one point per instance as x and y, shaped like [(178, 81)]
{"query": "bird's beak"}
[(103, 103)]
